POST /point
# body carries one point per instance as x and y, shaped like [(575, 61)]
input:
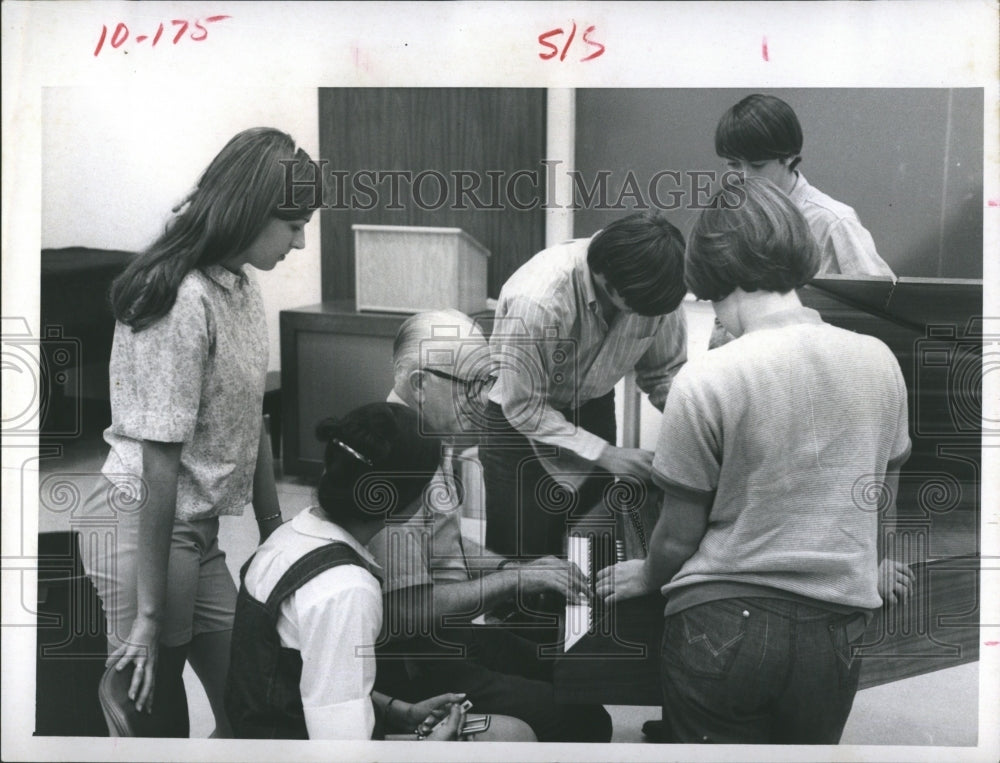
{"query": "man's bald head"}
[(439, 356)]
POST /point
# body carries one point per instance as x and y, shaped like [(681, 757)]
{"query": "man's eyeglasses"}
[(474, 388)]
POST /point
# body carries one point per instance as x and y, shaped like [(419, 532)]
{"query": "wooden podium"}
[(409, 269)]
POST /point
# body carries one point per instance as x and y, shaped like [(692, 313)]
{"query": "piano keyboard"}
[(593, 545), (579, 618)]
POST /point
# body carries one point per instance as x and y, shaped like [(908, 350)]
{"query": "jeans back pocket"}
[(704, 640)]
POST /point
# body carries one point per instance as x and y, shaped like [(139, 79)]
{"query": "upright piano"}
[(937, 331)]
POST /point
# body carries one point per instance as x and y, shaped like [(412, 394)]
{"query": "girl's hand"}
[(426, 714), (895, 581), (624, 580), (448, 731), (141, 649)]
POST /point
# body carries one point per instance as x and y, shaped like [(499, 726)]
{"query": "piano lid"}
[(915, 302)]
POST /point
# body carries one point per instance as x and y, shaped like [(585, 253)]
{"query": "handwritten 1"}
[(120, 36), (553, 49)]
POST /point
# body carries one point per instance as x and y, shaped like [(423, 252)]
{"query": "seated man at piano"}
[(769, 564), (570, 323), (438, 581)]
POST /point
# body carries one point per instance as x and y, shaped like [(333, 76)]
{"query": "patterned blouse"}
[(195, 377)]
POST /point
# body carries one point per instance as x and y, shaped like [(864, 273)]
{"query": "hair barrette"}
[(352, 451)]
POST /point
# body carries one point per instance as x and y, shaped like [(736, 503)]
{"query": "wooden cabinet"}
[(333, 359)]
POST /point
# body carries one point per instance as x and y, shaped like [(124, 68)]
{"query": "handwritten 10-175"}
[(196, 31)]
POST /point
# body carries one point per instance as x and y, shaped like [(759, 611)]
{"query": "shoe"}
[(169, 718), (655, 731)]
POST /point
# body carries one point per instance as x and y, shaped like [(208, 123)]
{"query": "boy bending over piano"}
[(768, 562)]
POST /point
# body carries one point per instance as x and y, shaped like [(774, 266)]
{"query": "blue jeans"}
[(759, 671)]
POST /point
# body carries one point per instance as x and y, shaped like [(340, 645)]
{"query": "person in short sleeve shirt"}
[(309, 612), (765, 549), (187, 373), (443, 370), (191, 377)]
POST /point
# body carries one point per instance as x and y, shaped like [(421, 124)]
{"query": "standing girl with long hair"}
[(187, 373)]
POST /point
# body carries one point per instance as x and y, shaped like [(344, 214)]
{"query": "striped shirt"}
[(845, 245), (556, 351), (790, 430)]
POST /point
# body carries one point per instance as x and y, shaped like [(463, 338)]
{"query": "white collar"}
[(313, 522), (394, 398)]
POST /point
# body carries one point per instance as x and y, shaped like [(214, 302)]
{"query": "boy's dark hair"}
[(762, 244), (758, 128), (377, 461), (642, 257)]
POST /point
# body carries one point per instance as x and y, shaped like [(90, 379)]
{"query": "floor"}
[(938, 708)]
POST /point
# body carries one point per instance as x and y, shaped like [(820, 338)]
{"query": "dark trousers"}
[(759, 671), (526, 510), (501, 673)]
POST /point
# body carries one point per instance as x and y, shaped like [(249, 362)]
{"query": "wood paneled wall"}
[(444, 130)]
